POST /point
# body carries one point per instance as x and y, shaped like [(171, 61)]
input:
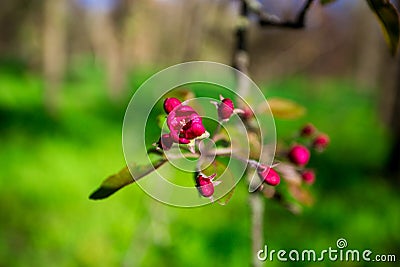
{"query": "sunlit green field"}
[(49, 166)]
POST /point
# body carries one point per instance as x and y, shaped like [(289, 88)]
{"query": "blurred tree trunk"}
[(54, 51), (194, 33), (369, 56), (393, 164), (128, 34), (107, 47)]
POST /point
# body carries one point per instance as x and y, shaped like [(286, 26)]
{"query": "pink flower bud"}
[(308, 176), (247, 114), (321, 142), (205, 185), (170, 104), (197, 129), (225, 109), (269, 176), (307, 130), (299, 155)]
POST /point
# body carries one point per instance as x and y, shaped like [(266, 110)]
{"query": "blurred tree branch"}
[(54, 50), (393, 162), (107, 47), (241, 62), (270, 20), (191, 49)]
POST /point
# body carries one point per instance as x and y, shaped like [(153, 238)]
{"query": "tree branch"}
[(241, 62), (240, 57), (268, 20), (256, 203)]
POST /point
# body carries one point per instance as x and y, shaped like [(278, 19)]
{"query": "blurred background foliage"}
[(67, 72)]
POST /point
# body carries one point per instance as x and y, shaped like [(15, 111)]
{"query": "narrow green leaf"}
[(123, 178), (285, 109), (389, 20)]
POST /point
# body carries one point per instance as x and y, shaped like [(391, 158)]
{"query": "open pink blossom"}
[(185, 124)]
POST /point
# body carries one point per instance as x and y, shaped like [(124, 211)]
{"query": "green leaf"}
[(324, 2), (389, 20), (123, 178), (285, 109)]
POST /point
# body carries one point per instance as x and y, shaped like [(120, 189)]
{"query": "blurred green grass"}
[(50, 165)]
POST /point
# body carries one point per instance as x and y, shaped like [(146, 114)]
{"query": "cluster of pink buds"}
[(205, 185), (184, 123), (319, 140), (300, 154)]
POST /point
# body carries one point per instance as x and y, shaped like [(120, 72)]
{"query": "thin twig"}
[(297, 24), (256, 7), (240, 57)]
